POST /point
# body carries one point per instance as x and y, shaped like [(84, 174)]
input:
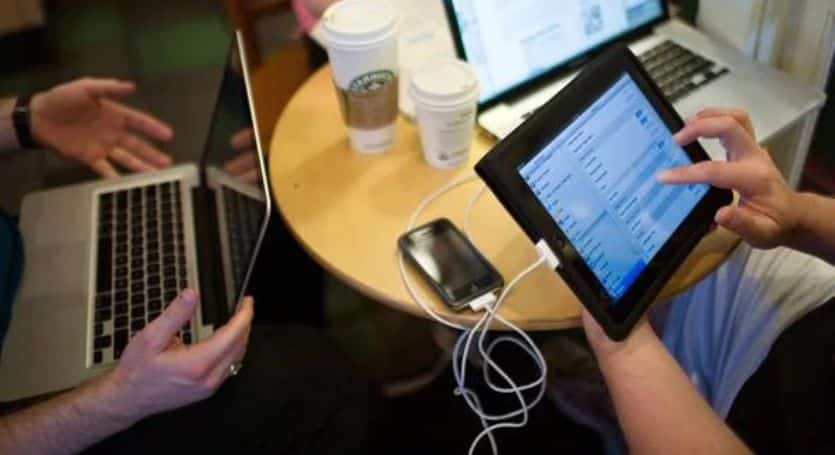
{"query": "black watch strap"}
[(21, 119)]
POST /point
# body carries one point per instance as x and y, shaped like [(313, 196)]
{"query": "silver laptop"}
[(104, 259), (524, 52)]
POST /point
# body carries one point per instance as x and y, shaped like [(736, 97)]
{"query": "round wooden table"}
[(348, 210)]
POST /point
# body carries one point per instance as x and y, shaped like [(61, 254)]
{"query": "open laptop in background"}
[(105, 258), (525, 51)]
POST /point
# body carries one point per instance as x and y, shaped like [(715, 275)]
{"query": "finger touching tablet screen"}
[(581, 174)]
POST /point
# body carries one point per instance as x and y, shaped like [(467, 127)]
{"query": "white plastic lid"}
[(358, 23), (444, 83)]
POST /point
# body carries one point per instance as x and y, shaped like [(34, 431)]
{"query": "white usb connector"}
[(483, 302), (545, 252)]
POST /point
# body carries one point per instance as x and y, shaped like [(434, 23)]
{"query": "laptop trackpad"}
[(59, 274)]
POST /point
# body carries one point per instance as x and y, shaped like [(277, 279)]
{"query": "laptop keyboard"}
[(141, 264), (244, 216), (678, 71)]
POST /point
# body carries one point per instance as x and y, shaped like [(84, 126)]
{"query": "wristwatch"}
[(21, 116)]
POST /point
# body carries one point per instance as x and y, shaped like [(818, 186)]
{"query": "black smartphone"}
[(446, 258)]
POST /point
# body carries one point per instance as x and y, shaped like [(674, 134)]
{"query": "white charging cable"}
[(491, 306)]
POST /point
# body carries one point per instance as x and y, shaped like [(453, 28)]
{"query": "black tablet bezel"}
[(499, 169), (559, 69)]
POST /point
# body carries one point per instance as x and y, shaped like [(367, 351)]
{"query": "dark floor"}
[(174, 49)]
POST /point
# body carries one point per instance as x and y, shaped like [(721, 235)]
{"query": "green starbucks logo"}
[(372, 81)]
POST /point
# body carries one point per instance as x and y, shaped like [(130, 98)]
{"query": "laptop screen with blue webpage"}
[(597, 180), (512, 42)]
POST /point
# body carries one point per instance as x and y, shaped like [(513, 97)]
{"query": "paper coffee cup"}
[(361, 39), (446, 96)]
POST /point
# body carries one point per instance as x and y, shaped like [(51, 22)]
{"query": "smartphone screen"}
[(452, 264)]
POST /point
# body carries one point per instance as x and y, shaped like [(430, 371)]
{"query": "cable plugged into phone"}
[(484, 302), (528, 394)]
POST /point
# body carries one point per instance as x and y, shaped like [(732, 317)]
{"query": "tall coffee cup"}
[(361, 39)]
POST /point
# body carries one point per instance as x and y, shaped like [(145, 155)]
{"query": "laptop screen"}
[(231, 171), (510, 43)]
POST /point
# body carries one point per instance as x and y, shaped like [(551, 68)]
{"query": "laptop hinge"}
[(209, 268)]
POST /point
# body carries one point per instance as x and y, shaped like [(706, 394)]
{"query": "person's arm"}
[(68, 423), (660, 411), (8, 137), (815, 233), (769, 213), (155, 374)]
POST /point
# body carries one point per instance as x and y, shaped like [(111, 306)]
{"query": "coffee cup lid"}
[(446, 82), (358, 23)]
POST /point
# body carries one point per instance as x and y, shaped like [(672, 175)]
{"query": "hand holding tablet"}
[(581, 174)]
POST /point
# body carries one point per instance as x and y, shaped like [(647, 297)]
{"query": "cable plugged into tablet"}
[(545, 252)]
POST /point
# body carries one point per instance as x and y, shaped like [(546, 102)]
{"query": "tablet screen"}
[(597, 180)]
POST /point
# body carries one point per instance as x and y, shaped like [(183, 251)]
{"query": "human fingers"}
[(734, 137), (739, 115), (140, 121), (251, 177), (241, 164), (243, 139), (103, 167), (716, 173), (161, 330), (128, 160), (107, 88), (226, 339), (145, 151), (757, 229)]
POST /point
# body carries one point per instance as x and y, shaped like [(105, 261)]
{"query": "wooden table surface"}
[(348, 210)]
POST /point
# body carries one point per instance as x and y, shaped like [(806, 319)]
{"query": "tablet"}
[(580, 174)]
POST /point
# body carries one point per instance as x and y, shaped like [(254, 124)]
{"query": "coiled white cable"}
[(490, 422)]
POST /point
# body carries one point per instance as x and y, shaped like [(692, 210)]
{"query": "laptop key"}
[(102, 342), (97, 357), (170, 295), (120, 321), (103, 315), (120, 340), (154, 292), (104, 265), (137, 312), (137, 287), (99, 329), (121, 200), (103, 302), (136, 299), (121, 309), (155, 305), (186, 338), (137, 325)]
